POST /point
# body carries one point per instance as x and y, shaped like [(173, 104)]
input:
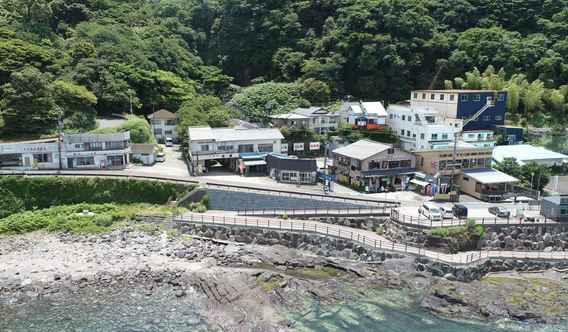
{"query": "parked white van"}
[(431, 211)]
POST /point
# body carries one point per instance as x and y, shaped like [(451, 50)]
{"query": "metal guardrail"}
[(362, 237), (210, 184), (425, 223), (315, 212)]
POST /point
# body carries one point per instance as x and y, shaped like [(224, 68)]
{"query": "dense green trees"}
[(532, 175), (164, 53)]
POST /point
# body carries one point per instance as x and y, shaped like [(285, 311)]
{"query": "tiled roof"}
[(163, 115)]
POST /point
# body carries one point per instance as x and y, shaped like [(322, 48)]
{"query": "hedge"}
[(45, 192)]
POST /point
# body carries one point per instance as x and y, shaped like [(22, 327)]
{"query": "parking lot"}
[(174, 164)]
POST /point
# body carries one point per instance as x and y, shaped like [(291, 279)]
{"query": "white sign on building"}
[(314, 146), (298, 146)]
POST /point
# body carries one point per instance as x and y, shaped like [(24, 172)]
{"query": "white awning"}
[(490, 176), (419, 183), (254, 163)]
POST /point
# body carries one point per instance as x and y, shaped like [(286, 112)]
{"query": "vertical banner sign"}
[(285, 148), (298, 146), (314, 146)]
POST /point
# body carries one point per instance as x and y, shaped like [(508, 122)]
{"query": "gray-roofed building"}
[(292, 170), (164, 125), (374, 166), (555, 207), (226, 145), (486, 184), (316, 118), (361, 114)]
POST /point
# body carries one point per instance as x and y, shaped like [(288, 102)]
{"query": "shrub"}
[(45, 192), (9, 204), (103, 220)]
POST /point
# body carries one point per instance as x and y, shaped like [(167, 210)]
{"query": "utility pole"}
[(59, 135), (130, 92)]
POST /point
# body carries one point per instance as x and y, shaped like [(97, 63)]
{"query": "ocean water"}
[(130, 310)]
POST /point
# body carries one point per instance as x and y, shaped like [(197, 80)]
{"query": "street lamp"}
[(59, 134), (130, 93), (532, 179)]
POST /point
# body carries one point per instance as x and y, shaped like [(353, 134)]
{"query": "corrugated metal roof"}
[(233, 134), (163, 115), (362, 149), (525, 153), (489, 176), (91, 138)]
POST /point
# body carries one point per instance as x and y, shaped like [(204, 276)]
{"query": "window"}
[(402, 132), (465, 178), (390, 151), (434, 137), (115, 160), (355, 164), (432, 96), (423, 96), (78, 146), (265, 148), (442, 96), (158, 131), (156, 122), (408, 133), (410, 118), (93, 146), (391, 116), (225, 148), (463, 97), (486, 118), (385, 164), (563, 212), (451, 97), (116, 145), (204, 147), (476, 97), (442, 165), (444, 136), (246, 148), (405, 163), (168, 132), (42, 157), (394, 164), (403, 117), (498, 118), (85, 161), (501, 97), (415, 95), (171, 123), (422, 136), (413, 135)]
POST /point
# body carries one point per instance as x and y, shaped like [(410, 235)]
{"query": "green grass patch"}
[(271, 284), (78, 218)]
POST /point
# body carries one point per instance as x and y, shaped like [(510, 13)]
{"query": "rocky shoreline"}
[(229, 281)]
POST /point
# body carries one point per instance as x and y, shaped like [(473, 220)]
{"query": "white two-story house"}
[(164, 125), (421, 129), (316, 118), (76, 151), (236, 148)]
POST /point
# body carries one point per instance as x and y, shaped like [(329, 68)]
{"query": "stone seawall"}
[(238, 200), (320, 245), (552, 237)]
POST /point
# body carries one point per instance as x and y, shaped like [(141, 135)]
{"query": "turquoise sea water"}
[(131, 310)]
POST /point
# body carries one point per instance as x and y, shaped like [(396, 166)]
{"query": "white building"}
[(164, 124), (525, 153), (77, 151), (231, 146), (363, 114), (480, 138), (144, 153), (422, 129), (316, 118)]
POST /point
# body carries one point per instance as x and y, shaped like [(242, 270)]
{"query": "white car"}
[(161, 157), (169, 141), (447, 212), (431, 211)]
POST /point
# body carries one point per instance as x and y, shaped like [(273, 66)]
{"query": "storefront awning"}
[(419, 183), (254, 163)]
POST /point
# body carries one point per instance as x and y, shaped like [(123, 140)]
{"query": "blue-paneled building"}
[(464, 104)]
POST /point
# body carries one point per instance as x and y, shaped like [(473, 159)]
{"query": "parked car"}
[(161, 157), (447, 212), (499, 212), (460, 211), (431, 211), (169, 141)]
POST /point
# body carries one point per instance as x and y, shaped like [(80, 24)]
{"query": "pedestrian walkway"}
[(363, 237)]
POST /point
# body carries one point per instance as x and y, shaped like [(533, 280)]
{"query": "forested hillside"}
[(84, 57)]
